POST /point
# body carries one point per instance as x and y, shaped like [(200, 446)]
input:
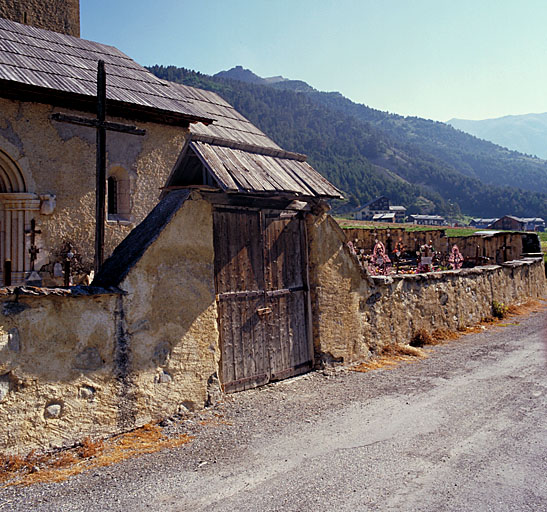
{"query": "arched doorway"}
[(17, 208)]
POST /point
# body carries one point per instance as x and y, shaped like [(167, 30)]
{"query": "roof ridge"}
[(251, 148)]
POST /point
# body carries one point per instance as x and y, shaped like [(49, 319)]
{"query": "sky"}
[(438, 59)]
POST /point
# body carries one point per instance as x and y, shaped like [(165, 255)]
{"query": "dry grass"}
[(58, 466), (392, 355), (532, 306)]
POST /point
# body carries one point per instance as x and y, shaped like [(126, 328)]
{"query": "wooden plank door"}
[(285, 263), (260, 278), (239, 276)]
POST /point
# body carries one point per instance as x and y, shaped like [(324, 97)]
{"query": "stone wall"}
[(59, 159), (397, 306), (355, 315), (94, 362), (57, 15), (57, 369), (87, 361)]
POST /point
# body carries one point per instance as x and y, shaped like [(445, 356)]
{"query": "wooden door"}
[(260, 278), (285, 272)]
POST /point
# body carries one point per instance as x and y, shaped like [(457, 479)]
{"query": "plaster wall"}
[(56, 370), (73, 366), (171, 318), (59, 158)]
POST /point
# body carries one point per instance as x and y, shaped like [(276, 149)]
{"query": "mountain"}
[(427, 166), (243, 75), (525, 133)]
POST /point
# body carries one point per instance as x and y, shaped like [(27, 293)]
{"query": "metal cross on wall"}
[(33, 249), (101, 126)]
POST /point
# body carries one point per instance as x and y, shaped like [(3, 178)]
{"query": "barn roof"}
[(42, 65), (241, 158)]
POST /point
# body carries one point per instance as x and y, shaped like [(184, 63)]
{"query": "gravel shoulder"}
[(463, 429)]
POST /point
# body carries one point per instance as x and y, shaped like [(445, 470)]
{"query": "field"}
[(543, 239), (364, 224)]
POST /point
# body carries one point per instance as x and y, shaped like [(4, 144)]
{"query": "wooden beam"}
[(84, 121)]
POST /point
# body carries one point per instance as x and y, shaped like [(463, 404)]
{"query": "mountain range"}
[(428, 166), (525, 133)]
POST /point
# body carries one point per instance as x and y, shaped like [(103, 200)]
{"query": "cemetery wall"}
[(496, 247), (89, 361), (355, 315)]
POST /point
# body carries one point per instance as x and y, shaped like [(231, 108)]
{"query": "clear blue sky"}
[(438, 59)]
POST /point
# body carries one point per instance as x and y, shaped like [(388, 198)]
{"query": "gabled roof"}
[(512, 217), (484, 221), (367, 205), (383, 216), (130, 251), (242, 159), (41, 65), (427, 217)]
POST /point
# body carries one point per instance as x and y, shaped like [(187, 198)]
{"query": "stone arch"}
[(11, 177)]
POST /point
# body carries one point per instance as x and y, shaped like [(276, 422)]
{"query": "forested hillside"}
[(370, 153), (526, 133)]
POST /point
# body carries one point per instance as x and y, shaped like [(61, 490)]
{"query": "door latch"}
[(264, 311)]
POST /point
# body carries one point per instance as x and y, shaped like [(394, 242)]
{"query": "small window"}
[(112, 196), (118, 187)]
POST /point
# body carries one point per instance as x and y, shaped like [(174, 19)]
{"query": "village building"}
[(512, 223), (381, 207), (427, 220), (47, 167), (384, 217), (482, 223)]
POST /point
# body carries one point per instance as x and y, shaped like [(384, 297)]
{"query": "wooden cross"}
[(33, 250), (101, 125)]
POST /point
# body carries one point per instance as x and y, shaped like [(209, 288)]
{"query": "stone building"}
[(47, 167), (382, 210), (58, 15)]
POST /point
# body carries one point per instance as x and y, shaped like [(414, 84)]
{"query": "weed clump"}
[(420, 338), (499, 309)]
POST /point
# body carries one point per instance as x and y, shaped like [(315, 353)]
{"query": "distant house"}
[(482, 223), (534, 224), (384, 217), (512, 223), (381, 206), (399, 212), (428, 220)]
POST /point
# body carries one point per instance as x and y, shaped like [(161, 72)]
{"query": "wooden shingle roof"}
[(242, 159), (41, 65)]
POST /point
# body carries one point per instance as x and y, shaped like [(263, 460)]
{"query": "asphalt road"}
[(463, 430)]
